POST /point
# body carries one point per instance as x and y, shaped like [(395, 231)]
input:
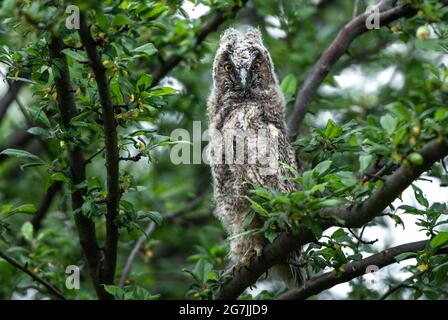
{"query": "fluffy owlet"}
[(248, 141)]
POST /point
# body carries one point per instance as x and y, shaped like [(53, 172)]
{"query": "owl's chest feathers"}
[(247, 120), (245, 117)]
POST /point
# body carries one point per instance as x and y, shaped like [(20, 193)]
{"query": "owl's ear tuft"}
[(229, 36), (254, 34)]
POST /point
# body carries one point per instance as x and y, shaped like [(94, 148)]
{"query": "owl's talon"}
[(257, 251)]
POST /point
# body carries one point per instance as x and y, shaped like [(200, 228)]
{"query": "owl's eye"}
[(227, 68)]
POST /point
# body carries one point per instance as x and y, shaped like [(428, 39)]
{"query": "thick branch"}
[(352, 270), (67, 109), (354, 217), (112, 156), (210, 26), (51, 289), (348, 33)]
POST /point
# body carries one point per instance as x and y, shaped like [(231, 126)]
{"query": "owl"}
[(248, 143)]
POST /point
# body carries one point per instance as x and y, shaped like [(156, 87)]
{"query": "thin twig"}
[(45, 204), (51, 289), (135, 158), (401, 285), (356, 8), (359, 238), (89, 159), (9, 97), (150, 229)]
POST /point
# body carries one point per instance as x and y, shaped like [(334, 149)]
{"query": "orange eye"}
[(228, 68)]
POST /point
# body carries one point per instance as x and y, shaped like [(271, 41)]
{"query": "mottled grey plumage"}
[(246, 98)]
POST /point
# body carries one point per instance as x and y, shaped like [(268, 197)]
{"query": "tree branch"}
[(45, 204), (356, 8), (401, 285), (19, 139), (51, 289), (334, 52), (352, 270), (210, 26), (85, 226), (112, 156), (9, 97), (354, 217)]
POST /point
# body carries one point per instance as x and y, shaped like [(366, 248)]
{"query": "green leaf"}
[(419, 196), (144, 82), (332, 130), (400, 110), (20, 154), (257, 207), (27, 231), (116, 291), (78, 56), (202, 269), (365, 160), (329, 203), (38, 131), (347, 178), (440, 114), (164, 91), (439, 240), (147, 49), (248, 219), (155, 11), (410, 209), (314, 226), (121, 20), (270, 235), (397, 220), (115, 89), (7, 210), (289, 86), (59, 176), (322, 167), (39, 115), (338, 233), (405, 255), (389, 123), (26, 208), (155, 216), (429, 45)]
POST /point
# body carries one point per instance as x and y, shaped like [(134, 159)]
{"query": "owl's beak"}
[(243, 78)]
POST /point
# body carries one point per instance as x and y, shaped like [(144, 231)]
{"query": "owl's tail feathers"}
[(289, 271)]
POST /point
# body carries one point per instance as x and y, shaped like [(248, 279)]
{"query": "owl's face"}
[(243, 68)]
